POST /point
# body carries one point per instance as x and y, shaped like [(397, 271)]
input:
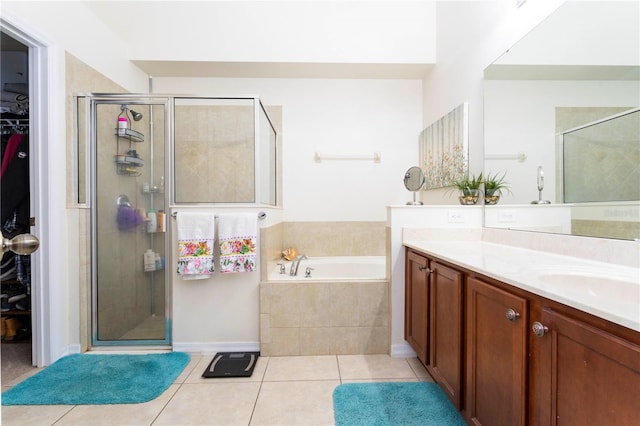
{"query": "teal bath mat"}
[(393, 403), (84, 379)]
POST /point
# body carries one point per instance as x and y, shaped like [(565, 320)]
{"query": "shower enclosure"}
[(144, 155)]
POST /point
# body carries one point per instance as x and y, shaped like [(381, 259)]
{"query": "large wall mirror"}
[(561, 121)]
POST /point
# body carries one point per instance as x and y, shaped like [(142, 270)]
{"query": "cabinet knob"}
[(424, 268), (512, 315), (539, 329)]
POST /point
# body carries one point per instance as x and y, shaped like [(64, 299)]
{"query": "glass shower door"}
[(129, 244)]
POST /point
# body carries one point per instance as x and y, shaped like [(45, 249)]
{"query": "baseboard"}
[(402, 350), (211, 348)]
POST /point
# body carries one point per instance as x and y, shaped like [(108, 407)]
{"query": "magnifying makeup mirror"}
[(413, 181)]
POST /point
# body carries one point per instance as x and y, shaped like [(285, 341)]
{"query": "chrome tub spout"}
[(296, 264)]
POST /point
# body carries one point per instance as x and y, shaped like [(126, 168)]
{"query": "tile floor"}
[(294, 390)]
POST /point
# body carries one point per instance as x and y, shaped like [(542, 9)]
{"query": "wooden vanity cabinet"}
[(506, 356), (584, 375), (416, 307), (496, 355), (445, 330)]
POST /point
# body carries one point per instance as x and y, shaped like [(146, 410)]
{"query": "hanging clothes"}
[(14, 182)]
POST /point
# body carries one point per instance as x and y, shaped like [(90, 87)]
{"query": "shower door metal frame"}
[(95, 99)]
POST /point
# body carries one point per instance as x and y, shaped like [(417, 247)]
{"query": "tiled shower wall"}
[(214, 154), (80, 78)]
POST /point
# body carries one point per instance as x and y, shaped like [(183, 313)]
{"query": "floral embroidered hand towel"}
[(237, 234), (196, 232)]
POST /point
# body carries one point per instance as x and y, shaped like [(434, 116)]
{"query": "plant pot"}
[(491, 199), (468, 197)]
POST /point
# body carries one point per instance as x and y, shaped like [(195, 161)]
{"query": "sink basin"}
[(614, 289)]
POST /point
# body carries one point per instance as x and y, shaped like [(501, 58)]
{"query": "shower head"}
[(136, 115), (126, 110)]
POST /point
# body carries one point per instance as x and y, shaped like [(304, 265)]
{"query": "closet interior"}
[(15, 270)]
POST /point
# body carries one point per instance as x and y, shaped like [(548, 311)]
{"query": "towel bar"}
[(261, 215)]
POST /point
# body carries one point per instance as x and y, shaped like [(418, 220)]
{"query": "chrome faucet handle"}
[(283, 269), (307, 272)]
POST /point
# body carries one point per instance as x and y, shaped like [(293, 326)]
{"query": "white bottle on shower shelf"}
[(122, 125), (149, 260), (152, 221)]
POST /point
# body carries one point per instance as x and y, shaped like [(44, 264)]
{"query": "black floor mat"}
[(232, 364)]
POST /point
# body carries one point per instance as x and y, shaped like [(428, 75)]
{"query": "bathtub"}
[(335, 268), (342, 309)]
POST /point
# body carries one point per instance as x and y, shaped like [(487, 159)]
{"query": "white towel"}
[(237, 234), (196, 232)]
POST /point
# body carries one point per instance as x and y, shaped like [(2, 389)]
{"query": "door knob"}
[(21, 244)]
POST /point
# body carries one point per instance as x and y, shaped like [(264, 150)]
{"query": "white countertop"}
[(602, 289)]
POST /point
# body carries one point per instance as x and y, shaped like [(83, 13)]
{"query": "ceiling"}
[(185, 22), (282, 70)]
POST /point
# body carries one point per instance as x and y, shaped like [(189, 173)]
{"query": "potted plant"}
[(469, 188), (493, 187)]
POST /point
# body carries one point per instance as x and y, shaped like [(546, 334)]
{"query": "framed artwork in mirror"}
[(444, 148)]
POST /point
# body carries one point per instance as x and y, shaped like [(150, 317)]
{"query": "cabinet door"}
[(585, 376), (445, 330), (496, 339), (416, 308)]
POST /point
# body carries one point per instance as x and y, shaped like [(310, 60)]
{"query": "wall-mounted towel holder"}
[(521, 157), (261, 215), (376, 157)]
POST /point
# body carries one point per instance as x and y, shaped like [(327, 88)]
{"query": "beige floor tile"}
[(319, 367), (195, 375), (27, 415), (421, 372), (380, 380), (295, 403), (374, 367), (189, 369), (210, 404), (122, 415)]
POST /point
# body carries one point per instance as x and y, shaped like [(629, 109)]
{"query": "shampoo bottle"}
[(122, 126), (149, 260), (152, 221), (161, 219)]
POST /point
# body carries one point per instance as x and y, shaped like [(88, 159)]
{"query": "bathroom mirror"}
[(578, 67), (413, 181)]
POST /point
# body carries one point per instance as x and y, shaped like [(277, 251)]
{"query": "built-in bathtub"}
[(342, 309), (341, 268)]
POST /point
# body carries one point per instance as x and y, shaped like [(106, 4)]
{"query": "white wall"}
[(276, 31), (336, 117)]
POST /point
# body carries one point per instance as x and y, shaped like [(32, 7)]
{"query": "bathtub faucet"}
[(296, 263)]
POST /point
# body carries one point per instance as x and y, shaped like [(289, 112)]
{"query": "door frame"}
[(41, 94)]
